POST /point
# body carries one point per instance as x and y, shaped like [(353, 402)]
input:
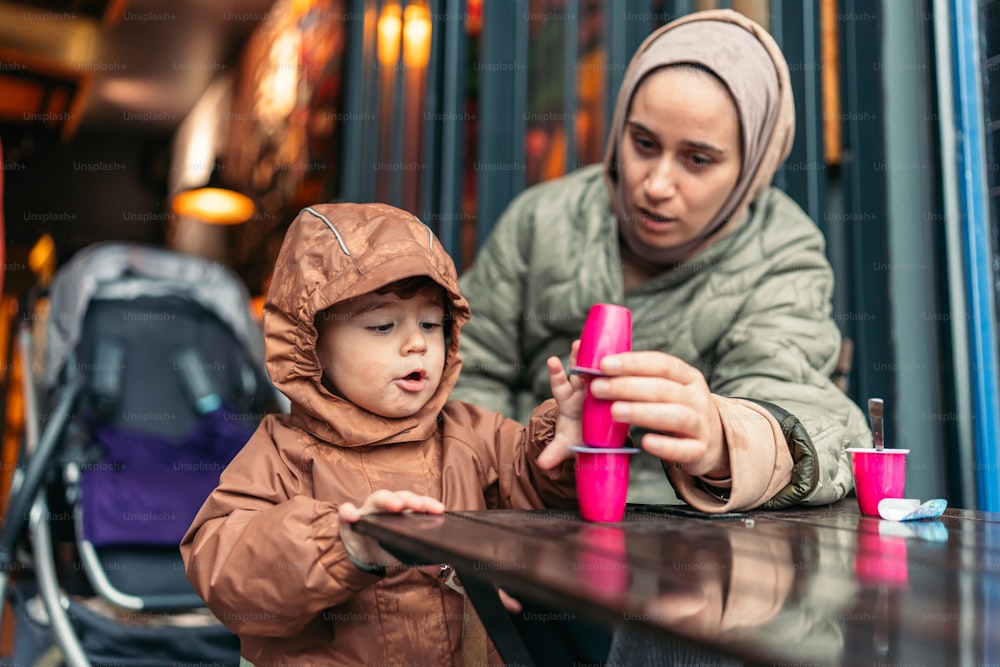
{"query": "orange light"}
[(256, 307), (301, 7), (416, 36), (474, 17), (390, 26), (214, 205), (42, 258)]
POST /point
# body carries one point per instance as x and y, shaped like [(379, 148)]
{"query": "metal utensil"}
[(875, 415)]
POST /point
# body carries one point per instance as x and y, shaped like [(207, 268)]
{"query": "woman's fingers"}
[(685, 452), (671, 418), (653, 403), (639, 389), (667, 396), (651, 363)]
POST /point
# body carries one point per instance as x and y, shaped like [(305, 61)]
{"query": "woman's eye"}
[(699, 160), (643, 144)]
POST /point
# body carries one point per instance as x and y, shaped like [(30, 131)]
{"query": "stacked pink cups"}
[(602, 463)]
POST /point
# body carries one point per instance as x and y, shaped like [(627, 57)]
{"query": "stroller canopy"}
[(129, 271)]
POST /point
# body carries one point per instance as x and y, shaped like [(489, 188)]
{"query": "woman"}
[(733, 341)]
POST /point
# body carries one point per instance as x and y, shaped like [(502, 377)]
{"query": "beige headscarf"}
[(748, 61)]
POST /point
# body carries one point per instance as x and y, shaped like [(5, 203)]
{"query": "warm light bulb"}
[(42, 258), (390, 25), (416, 36), (214, 205)]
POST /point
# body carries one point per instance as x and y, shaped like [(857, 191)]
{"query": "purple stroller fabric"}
[(146, 489)]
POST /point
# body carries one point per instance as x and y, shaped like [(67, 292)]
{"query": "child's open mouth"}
[(414, 381)]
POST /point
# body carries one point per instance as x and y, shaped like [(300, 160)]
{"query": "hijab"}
[(751, 66)]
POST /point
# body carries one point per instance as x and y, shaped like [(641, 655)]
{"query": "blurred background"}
[(111, 113)]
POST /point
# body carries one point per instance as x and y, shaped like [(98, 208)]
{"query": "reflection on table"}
[(811, 585)]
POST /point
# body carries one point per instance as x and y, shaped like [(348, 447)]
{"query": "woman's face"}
[(680, 155)]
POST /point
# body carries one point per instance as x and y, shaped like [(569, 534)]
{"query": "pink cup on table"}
[(602, 482), (608, 330), (878, 474)]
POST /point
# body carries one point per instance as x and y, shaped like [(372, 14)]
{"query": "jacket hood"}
[(332, 253), (750, 64)]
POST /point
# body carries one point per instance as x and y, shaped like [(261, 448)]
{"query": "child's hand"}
[(511, 604), (568, 390), (365, 549)]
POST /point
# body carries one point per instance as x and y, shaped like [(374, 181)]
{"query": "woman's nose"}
[(660, 182)]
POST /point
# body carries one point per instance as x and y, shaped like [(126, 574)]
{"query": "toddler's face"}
[(384, 353)]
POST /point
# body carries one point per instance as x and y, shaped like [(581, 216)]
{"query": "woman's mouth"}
[(654, 221)]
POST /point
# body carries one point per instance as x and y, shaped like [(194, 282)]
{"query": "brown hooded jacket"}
[(264, 551)]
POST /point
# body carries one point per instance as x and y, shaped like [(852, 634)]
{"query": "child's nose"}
[(416, 340)]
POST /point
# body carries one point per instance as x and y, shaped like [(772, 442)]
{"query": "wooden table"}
[(808, 586)]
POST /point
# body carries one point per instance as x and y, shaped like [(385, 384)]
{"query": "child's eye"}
[(380, 328), (431, 326)]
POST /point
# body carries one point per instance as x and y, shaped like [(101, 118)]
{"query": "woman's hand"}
[(662, 393), (568, 390), (366, 549)]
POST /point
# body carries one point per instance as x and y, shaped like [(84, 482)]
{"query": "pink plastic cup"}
[(602, 482), (608, 330), (878, 474), (597, 427)]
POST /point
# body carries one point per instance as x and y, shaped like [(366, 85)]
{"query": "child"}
[(361, 325)]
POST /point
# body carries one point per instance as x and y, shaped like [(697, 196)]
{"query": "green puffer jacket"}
[(752, 312)]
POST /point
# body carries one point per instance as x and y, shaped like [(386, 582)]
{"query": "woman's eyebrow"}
[(700, 145)]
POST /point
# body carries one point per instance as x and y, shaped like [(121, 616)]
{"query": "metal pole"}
[(978, 251)]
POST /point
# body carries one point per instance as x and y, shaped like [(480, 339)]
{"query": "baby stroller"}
[(151, 380)]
